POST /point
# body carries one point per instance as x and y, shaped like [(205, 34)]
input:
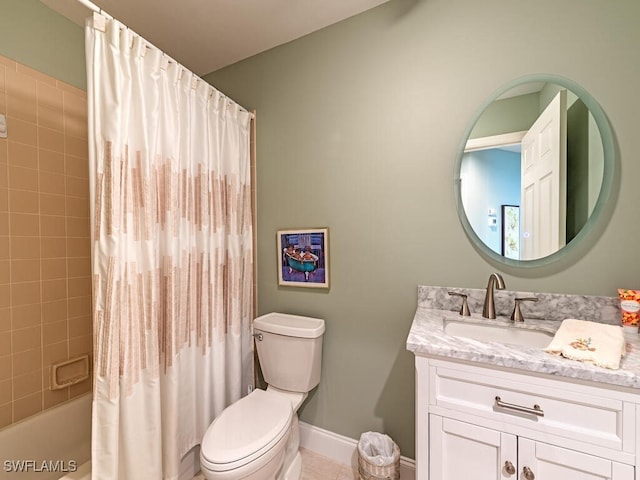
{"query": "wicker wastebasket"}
[(378, 457)]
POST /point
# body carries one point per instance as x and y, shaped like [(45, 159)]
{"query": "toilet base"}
[(294, 472), (292, 464)]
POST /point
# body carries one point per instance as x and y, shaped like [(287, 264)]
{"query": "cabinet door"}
[(461, 450), (547, 462)]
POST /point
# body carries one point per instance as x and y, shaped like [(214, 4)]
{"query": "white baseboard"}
[(343, 449)]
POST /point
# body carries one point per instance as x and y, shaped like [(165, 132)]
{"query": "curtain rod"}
[(92, 6)]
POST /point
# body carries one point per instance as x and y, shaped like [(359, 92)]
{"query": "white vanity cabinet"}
[(460, 450), (498, 424)]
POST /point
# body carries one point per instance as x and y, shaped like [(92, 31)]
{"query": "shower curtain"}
[(172, 254)]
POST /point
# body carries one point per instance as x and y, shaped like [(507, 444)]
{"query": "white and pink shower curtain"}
[(172, 254)]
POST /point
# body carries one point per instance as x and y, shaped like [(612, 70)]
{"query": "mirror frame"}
[(604, 196)]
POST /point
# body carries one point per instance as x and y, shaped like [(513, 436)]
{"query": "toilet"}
[(258, 436)]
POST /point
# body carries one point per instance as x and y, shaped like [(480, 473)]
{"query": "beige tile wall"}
[(45, 303)]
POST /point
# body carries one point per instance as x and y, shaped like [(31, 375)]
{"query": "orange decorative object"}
[(629, 307)]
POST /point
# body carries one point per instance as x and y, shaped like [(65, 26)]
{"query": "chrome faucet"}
[(495, 282)]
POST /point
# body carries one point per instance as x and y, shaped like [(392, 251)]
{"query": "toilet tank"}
[(290, 350)]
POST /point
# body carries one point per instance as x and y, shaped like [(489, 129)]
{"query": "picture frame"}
[(511, 231), (303, 257)]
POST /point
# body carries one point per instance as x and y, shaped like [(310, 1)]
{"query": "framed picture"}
[(303, 257), (511, 231)]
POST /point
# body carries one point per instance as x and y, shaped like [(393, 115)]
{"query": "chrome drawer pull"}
[(528, 474), (536, 410), (509, 468)]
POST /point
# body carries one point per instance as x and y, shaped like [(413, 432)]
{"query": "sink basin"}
[(487, 332)]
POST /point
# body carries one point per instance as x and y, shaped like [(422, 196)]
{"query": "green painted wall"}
[(515, 114), (358, 129), (36, 36)]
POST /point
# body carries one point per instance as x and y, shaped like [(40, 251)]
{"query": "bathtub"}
[(82, 473), (54, 444)]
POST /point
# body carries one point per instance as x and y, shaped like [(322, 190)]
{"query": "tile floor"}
[(317, 467)]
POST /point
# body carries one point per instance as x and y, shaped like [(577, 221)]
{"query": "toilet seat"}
[(245, 430)]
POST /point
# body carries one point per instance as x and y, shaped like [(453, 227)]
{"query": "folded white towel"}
[(597, 343)]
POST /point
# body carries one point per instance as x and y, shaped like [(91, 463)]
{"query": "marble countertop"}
[(427, 337)]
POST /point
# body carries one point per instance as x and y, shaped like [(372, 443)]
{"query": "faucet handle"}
[(464, 309), (516, 315)]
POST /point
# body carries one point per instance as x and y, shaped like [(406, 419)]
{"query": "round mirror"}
[(534, 171)]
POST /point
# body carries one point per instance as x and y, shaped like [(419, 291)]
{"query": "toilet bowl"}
[(257, 437), (248, 439)]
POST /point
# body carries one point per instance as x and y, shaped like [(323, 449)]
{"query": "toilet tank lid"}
[(290, 325)]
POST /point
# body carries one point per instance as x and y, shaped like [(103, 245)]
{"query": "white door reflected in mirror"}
[(543, 195)]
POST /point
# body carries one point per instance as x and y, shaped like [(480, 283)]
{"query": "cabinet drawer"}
[(587, 414)]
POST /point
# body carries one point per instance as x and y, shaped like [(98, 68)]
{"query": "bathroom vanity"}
[(490, 410)]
